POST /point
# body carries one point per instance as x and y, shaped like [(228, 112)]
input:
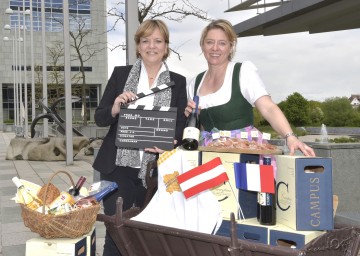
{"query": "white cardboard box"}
[(228, 195), (81, 246), (281, 235)]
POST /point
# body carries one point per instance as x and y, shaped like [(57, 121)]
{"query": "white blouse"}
[(252, 86), (144, 86)]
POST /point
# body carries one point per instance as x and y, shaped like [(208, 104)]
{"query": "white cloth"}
[(252, 87), (168, 207)]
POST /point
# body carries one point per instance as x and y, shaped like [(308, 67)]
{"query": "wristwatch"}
[(289, 135)]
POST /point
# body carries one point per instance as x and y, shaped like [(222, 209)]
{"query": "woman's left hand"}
[(156, 149), (294, 143)]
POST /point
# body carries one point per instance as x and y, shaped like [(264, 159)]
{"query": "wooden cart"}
[(134, 238)]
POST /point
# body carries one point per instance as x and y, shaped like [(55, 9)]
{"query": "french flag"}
[(254, 177), (203, 177)]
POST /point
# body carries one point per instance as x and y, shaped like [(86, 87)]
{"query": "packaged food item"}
[(98, 186), (62, 199), (97, 197)]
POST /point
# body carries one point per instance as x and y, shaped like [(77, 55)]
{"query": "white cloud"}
[(318, 66)]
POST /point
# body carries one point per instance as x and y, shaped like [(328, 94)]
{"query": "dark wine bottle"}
[(75, 191), (267, 203), (191, 133)]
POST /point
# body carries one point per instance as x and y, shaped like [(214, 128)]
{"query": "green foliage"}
[(316, 115), (342, 140), (338, 112), (259, 120), (296, 109), (274, 135)]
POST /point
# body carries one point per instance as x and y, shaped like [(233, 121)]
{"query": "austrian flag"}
[(203, 177), (254, 177)]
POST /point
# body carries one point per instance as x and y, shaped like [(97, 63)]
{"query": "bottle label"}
[(191, 133), (265, 199), (63, 198)]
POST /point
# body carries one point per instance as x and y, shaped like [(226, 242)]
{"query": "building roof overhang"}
[(313, 16)]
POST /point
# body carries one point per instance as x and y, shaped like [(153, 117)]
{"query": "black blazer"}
[(105, 159)]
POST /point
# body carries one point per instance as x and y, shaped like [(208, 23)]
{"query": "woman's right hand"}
[(189, 108), (122, 99)]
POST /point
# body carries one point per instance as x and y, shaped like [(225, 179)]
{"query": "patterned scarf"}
[(131, 157)]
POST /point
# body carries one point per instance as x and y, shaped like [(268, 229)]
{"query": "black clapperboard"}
[(142, 126)]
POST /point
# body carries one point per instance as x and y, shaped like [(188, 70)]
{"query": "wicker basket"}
[(68, 225)]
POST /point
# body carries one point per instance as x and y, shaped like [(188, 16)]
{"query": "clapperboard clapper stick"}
[(152, 91), (142, 126)]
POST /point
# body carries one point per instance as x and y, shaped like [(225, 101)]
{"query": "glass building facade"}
[(78, 9), (91, 15)]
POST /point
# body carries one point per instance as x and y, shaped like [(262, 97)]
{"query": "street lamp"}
[(21, 110), (7, 27), (32, 63), (15, 42), (26, 12)]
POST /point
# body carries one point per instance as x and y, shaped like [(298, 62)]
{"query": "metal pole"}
[(32, 63), (44, 65), (25, 76), (19, 132), (16, 107), (67, 72), (14, 77), (132, 23), (21, 128)]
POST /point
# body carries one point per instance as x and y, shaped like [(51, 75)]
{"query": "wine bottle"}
[(95, 198), (28, 199), (191, 134), (267, 203), (75, 191)]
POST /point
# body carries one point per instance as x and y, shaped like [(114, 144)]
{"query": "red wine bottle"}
[(191, 132), (75, 191), (267, 203)]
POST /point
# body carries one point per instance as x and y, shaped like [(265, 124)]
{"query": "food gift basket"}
[(71, 224)]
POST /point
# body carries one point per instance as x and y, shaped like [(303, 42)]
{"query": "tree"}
[(296, 109), (338, 112), (316, 115), (174, 10), (82, 52)]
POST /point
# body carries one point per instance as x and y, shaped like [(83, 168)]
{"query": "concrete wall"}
[(335, 130)]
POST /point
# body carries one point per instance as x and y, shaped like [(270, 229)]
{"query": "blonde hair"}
[(225, 26), (147, 28)]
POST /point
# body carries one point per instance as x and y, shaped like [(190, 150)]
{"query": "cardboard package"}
[(304, 192), (249, 230), (227, 194), (278, 235), (81, 246), (281, 235)]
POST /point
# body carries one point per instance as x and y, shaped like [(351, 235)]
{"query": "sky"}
[(318, 66)]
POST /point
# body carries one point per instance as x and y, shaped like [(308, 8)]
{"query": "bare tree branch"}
[(173, 10)]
